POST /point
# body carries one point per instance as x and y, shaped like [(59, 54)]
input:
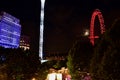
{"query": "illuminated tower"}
[(41, 29)]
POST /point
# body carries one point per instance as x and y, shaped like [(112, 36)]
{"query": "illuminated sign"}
[(10, 30)]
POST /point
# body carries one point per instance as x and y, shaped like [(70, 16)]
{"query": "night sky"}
[(65, 20)]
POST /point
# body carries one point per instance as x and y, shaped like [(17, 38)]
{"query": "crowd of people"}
[(62, 74)]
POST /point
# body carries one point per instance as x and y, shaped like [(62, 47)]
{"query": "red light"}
[(102, 26)]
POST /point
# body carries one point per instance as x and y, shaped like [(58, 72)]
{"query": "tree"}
[(79, 56), (70, 64), (105, 62), (21, 64), (112, 55)]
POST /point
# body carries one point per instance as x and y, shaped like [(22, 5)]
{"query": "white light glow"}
[(86, 33), (41, 29)]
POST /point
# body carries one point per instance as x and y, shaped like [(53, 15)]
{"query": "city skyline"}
[(65, 20)]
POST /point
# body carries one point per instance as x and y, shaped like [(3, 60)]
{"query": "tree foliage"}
[(20, 63), (79, 57), (105, 62)]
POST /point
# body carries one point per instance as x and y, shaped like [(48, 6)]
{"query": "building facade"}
[(25, 42), (10, 30)]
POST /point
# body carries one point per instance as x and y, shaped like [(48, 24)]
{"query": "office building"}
[(10, 30), (25, 42)]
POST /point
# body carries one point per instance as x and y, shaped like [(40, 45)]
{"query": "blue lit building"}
[(10, 30)]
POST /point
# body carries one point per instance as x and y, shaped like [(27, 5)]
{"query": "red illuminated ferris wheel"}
[(102, 26)]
